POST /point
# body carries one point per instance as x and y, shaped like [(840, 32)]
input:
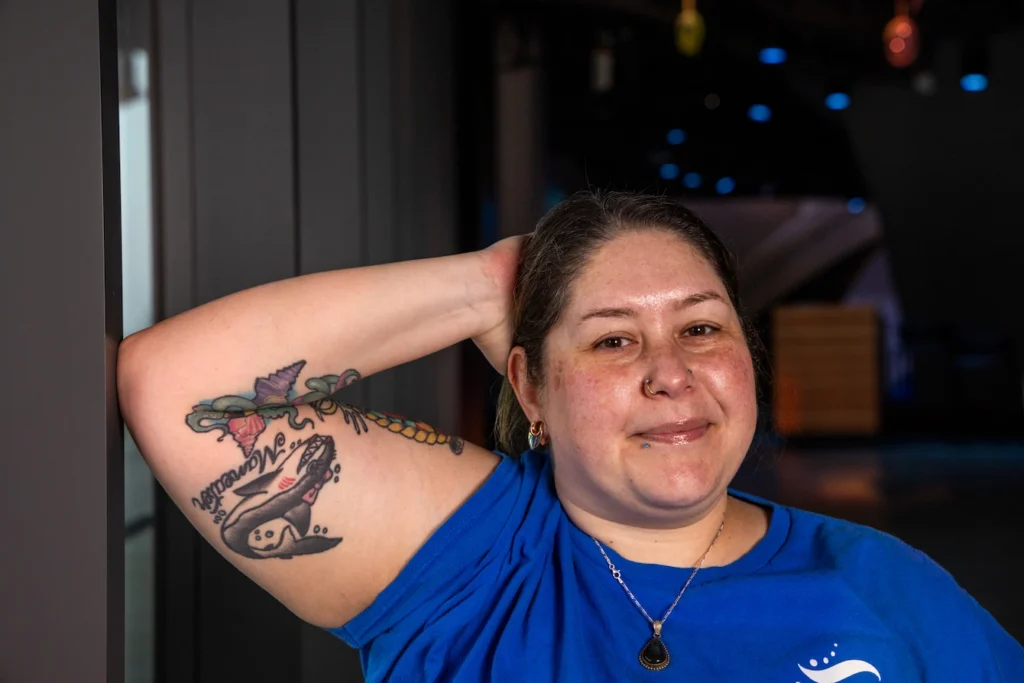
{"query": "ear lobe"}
[(526, 392)]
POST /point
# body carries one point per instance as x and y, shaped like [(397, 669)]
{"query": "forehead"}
[(638, 267)]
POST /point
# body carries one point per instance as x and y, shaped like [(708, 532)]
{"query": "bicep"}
[(320, 503)]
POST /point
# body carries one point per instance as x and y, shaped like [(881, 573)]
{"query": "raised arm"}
[(320, 503)]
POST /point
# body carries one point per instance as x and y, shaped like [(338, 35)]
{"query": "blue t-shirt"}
[(509, 589)]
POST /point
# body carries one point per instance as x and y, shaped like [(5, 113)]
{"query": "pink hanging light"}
[(901, 37)]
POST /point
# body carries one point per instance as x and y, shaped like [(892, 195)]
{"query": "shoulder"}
[(817, 541), (881, 569), (864, 553), (904, 587)]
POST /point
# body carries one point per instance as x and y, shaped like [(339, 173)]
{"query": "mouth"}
[(676, 433), (316, 461), (314, 491)]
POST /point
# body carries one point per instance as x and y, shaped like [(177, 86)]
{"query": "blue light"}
[(676, 137), (837, 101), (856, 205), (725, 185), (692, 180), (759, 113), (772, 55), (552, 196), (974, 82), (669, 171)]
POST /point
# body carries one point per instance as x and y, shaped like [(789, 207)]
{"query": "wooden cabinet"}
[(825, 363)]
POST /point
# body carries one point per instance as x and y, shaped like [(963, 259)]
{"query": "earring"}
[(535, 437)]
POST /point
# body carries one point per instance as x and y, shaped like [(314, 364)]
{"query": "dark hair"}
[(555, 255)]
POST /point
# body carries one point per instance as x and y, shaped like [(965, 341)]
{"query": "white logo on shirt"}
[(839, 671)]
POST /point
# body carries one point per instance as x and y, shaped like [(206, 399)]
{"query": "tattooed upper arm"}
[(296, 476)]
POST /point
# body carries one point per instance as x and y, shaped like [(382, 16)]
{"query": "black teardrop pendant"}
[(654, 656)]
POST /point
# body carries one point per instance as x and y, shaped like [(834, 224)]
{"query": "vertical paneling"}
[(296, 136), (177, 543), (62, 563), (241, 83), (331, 186), (245, 236), (379, 161), (331, 195), (424, 124)]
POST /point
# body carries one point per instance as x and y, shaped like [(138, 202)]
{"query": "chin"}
[(683, 488)]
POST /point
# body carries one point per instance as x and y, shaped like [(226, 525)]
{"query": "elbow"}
[(130, 361)]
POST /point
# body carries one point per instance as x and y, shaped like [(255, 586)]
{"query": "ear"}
[(530, 396)]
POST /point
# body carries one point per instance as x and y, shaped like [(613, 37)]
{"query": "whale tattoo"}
[(273, 518)]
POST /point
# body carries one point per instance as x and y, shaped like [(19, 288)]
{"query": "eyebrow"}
[(678, 305)]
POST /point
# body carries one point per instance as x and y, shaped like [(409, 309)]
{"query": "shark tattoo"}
[(273, 518)]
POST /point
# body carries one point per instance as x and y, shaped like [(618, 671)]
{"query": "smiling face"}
[(647, 305)]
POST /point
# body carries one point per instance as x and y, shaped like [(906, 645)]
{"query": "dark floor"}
[(957, 502)]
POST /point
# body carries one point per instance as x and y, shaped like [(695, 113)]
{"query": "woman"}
[(611, 549)]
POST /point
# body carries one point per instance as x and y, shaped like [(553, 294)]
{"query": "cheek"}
[(593, 399), (558, 376), (731, 380)]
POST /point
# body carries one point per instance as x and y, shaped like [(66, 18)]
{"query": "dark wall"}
[(62, 564), (946, 172)]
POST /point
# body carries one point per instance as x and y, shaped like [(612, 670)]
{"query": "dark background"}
[(291, 136)]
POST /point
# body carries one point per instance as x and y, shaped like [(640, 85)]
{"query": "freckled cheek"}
[(730, 376), (595, 399)]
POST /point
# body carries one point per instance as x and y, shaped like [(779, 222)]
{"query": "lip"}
[(684, 431)]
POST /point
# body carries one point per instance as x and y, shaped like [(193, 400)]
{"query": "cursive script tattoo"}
[(211, 498)]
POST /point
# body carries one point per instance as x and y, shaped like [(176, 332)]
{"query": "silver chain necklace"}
[(654, 655)]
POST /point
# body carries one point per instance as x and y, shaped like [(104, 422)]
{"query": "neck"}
[(683, 545)]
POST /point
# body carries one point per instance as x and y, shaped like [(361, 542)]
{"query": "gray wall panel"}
[(177, 543), (172, 118), (329, 134), (379, 162), (245, 236), (60, 306), (330, 196), (425, 182), (241, 75), (297, 137)]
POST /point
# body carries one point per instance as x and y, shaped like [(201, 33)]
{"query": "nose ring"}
[(647, 384)]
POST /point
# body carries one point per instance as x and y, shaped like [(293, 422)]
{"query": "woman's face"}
[(647, 306)]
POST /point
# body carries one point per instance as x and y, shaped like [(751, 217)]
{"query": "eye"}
[(702, 330), (612, 343)]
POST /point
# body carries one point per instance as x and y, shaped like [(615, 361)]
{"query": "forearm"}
[(366, 319)]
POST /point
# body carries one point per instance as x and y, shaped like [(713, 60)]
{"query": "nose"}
[(669, 373)]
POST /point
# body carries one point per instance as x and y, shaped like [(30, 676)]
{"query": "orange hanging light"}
[(690, 29), (901, 37)]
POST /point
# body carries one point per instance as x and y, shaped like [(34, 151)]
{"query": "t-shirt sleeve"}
[(952, 636), (966, 635), (457, 556)]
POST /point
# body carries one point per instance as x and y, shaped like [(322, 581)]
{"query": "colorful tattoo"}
[(245, 417), (418, 431), (274, 516)]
